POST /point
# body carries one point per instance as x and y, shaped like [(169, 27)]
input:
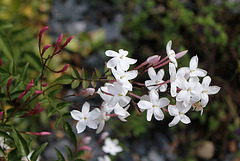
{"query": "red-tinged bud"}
[(58, 43), (39, 133), (21, 96), (85, 147), (104, 135), (40, 35), (66, 42), (90, 91), (8, 84), (45, 48), (37, 92), (0, 62), (153, 59), (63, 69), (1, 113), (37, 106), (86, 140), (44, 84), (36, 110), (181, 54), (29, 85)]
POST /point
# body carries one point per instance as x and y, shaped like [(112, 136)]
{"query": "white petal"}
[(91, 124), (160, 74), (168, 47), (76, 115), (85, 108), (163, 102), (119, 110), (81, 126), (112, 62), (204, 99), (158, 114), (172, 69), (193, 63), (131, 74), (111, 53), (123, 52), (153, 95), (150, 84), (173, 90), (206, 82), (149, 114), (95, 113), (144, 105), (152, 74), (185, 119), (124, 65), (130, 60), (200, 72), (181, 95), (213, 90), (124, 100), (173, 110), (174, 121)]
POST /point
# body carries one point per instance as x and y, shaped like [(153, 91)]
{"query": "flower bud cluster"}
[(188, 86)]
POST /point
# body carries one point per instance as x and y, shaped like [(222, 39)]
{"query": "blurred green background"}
[(209, 29)]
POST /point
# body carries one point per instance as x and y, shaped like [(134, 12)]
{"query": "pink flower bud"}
[(104, 135), (21, 96), (40, 133), (45, 48), (0, 62), (90, 91), (1, 113), (37, 92), (58, 43), (86, 140), (153, 59), (8, 84), (85, 147), (66, 42), (40, 35), (29, 85), (37, 106), (181, 54), (63, 69), (44, 84)]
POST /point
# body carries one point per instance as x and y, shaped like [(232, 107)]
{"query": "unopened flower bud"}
[(85, 147), (181, 54), (63, 69), (1, 113), (8, 83), (37, 92), (153, 59), (29, 85), (104, 135), (66, 42), (40, 133), (58, 43), (90, 91), (44, 84), (0, 62), (86, 140), (40, 35), (45, 48), (21, 96)]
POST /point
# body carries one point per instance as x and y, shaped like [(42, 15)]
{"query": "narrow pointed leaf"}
[(58, 121), (20, 143), (98, 73), (3, 71), (6, 136), (64, 79), (38, 151), (68, 129), (59, 155), (69, 152), (84, 74), (3, 153), (24, 72), (75, 73), (5, 46)]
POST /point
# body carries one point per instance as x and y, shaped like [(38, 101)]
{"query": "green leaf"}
[(11, 67), (34, 60), (38, 151), (85, 84), (98, 73), (75, 73), (5, 127), (2, 95), (64, 79), (54, 92), (6, 136), (14, 155), (58, 121), (94, 77), (20, 143), (3, 71), (36, 79), (75, 83), (4, 80), (69, 152), (62, 105), (84, 74), (5, 46), (23, 74), (59, 155), (68, 129), (3, 153)]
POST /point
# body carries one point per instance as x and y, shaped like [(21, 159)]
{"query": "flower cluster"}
[(188, 86)]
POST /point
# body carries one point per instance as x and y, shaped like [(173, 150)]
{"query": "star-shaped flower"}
[(153, 106), (111, 146), (156, 79), (119, 59), (85, 118)]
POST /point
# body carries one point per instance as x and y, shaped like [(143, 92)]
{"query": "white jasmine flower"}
[(207, 90), (178, 111), (156, 78), (171, 53), (190, 91), (104, 158), (119, 59), (111, 146), (153, 106), (102, 119), (85, 118), (193, 70), (123, 77), (175, 78)]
